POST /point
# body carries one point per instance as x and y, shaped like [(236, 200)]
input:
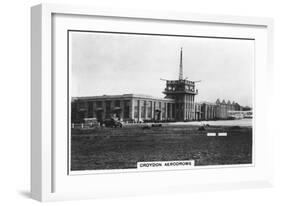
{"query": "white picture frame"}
[(49, 180)]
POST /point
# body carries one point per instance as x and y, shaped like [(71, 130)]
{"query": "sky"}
[(112, 64)]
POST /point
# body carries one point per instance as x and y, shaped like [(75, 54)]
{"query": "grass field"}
[(122, 148)]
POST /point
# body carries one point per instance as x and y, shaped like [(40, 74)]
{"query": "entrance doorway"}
[(99, 114), (157, 115)]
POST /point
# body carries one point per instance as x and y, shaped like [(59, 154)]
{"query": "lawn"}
[(122, 148)]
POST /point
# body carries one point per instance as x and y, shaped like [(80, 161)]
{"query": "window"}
[(126, 109), (149, 109), (163, 109), (82, 105), (117, 103), (136, 108), (99, 104), (142, 107), (90, 109), (107, 109)]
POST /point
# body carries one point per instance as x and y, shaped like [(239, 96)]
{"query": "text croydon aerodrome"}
[(166, 164)]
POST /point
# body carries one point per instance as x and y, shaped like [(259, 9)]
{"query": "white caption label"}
[(184, 164), (211, 134)]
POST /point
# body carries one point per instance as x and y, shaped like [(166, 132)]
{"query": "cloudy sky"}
[(126, 63)]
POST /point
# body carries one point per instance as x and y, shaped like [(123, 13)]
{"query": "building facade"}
[(215, 111), (126, 107)]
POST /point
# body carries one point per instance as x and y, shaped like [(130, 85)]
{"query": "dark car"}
[(112, 123)]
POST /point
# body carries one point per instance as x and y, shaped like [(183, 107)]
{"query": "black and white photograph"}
[(154, 101)]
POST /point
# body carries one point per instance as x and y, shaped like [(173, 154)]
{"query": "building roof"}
[(122, 96), (205, 102)]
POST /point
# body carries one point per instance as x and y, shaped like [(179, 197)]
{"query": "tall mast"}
[(181, 69)]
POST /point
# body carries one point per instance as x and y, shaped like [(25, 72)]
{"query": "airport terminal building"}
[(177, 105), (141, 108)]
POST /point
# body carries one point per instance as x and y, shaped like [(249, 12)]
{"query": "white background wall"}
[(15, 103)]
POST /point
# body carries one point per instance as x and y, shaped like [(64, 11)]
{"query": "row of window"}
[(117, 103), (176, 88), (111, 107), (160, 107), (99, 104)]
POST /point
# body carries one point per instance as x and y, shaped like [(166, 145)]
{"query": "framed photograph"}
[(135, 102)]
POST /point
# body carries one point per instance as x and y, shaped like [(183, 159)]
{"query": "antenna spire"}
[(181, 69)]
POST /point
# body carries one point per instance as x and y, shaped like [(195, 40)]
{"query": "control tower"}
[(183, 91)]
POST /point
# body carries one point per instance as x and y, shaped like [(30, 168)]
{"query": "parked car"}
[(112, 123), (91, 122)]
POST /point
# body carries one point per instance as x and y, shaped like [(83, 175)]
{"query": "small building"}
[(214, 111)]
